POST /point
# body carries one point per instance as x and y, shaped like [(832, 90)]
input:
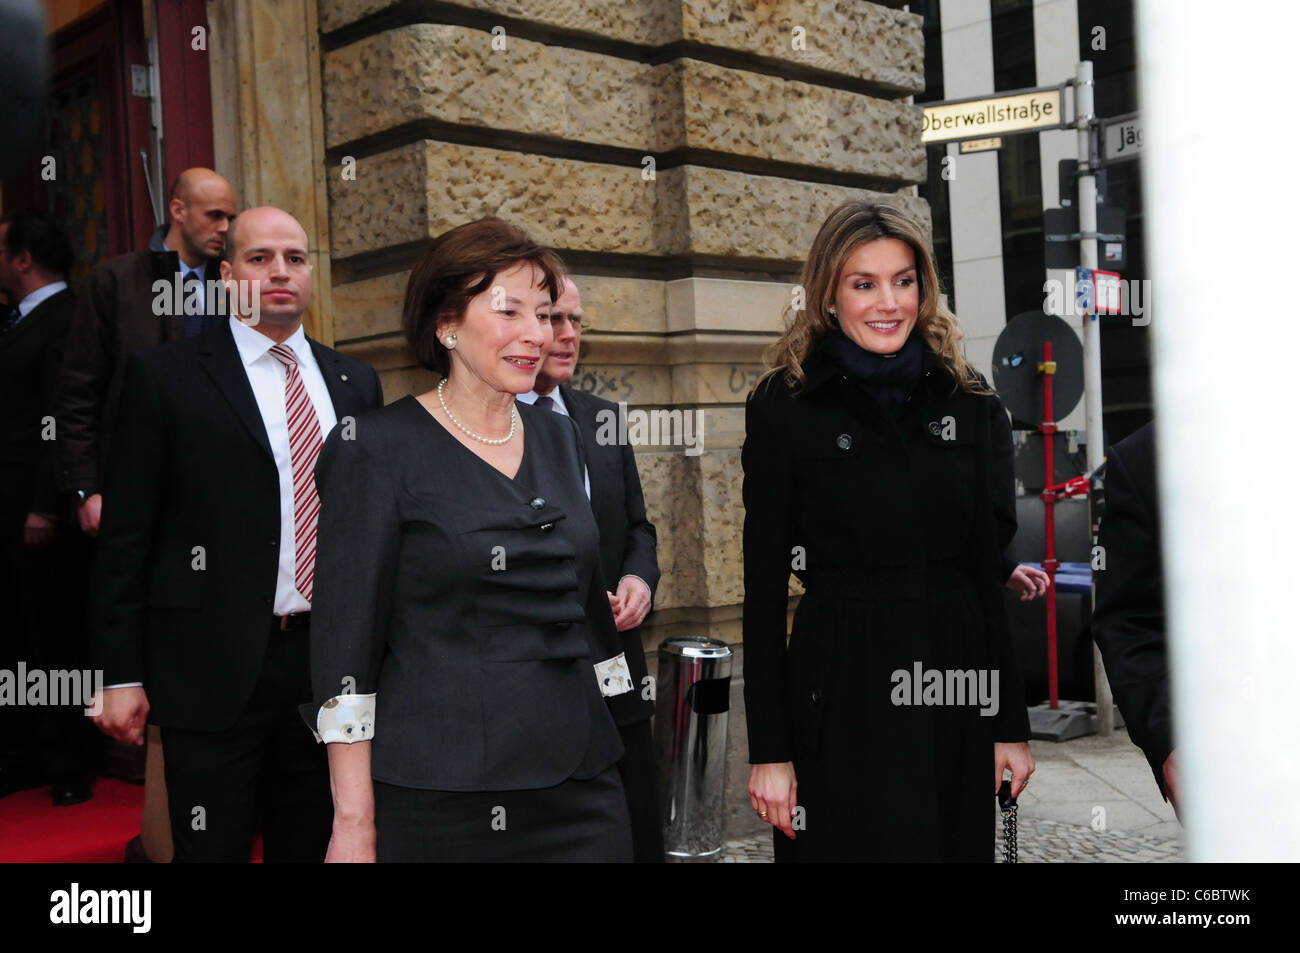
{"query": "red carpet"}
[(33, 831), (94, 832)]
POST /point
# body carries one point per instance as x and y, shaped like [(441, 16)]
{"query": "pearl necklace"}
[(495, 441)]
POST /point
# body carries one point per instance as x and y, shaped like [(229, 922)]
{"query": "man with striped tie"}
[(202, 588)]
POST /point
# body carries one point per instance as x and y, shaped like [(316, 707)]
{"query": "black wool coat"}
[(1128, 621), (895, 524)]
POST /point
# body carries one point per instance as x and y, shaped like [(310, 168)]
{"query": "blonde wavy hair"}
[(852, 224)]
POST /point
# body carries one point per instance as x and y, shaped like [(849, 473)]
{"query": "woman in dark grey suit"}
[(461, 638)]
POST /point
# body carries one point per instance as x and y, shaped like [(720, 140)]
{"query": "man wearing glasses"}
[(628, 564)]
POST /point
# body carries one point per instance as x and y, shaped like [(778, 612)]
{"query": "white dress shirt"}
[(28, 304), (266, 375), (559, 408)]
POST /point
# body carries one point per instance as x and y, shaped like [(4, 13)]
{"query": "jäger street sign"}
[(1121, 138), (1024, 111)]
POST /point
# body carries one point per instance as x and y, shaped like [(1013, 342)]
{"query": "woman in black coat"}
[(883, 730)]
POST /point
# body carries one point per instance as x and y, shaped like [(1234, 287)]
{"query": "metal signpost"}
[(1120, 140)]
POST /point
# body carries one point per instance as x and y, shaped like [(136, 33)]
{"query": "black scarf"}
[(889, 378)]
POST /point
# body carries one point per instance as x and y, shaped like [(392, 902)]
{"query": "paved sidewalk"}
[(1092, 800)]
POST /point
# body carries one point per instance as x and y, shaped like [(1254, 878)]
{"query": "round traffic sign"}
[(1016, 356)]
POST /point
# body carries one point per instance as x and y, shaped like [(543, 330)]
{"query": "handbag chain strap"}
[(1007, 805)]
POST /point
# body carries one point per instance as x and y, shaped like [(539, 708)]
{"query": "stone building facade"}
[(680, 154)]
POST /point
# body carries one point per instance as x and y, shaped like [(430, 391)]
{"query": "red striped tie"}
[(304, 448)]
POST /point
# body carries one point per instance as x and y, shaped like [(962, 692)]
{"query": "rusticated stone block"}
[(634, 21), (422, 189), (670, 482), (722, 515), (764, 117), (452, 74), (856, 39), (370, 307), (748, 216)]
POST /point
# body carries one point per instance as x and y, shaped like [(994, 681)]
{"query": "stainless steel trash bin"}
[(693, 695)]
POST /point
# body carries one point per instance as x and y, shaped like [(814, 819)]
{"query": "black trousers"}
[(43, 595), (572, 822), (265, 773), (637, 769)]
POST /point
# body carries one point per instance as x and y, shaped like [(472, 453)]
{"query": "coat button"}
[(816, 696), (844, 441), (547, 527), (537, 502)]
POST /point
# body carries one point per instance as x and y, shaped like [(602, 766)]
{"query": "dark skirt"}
[(574, 821)]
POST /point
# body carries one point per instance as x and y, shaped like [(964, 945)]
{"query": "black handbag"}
[(1007, 805)]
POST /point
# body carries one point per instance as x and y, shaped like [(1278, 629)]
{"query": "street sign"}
[(1061, 237), (1106, 291), (1121, 138), (980, 145), (1024, 111), (1083, 289)]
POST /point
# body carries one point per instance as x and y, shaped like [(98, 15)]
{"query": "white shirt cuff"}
[(613, 677), (346, 718)]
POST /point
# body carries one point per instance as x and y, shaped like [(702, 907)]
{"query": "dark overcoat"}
[(894, 523), (1128, 621)]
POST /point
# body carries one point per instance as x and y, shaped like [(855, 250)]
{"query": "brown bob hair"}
[(458, 265)]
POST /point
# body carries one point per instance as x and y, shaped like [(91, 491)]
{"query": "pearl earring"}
[(450, 340)]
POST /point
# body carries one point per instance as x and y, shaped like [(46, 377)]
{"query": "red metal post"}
[(1048, 429)]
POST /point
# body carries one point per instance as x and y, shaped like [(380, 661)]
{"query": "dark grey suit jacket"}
[(627, 537), (468, 602), (30, 355)]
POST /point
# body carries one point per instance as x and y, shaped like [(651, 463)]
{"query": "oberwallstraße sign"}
[(1022, 111), (1121, 138)]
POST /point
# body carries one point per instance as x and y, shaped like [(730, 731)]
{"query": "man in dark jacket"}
[(204, 568), (42, 557), (123, 308), (1128, 621), (627, 559)]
